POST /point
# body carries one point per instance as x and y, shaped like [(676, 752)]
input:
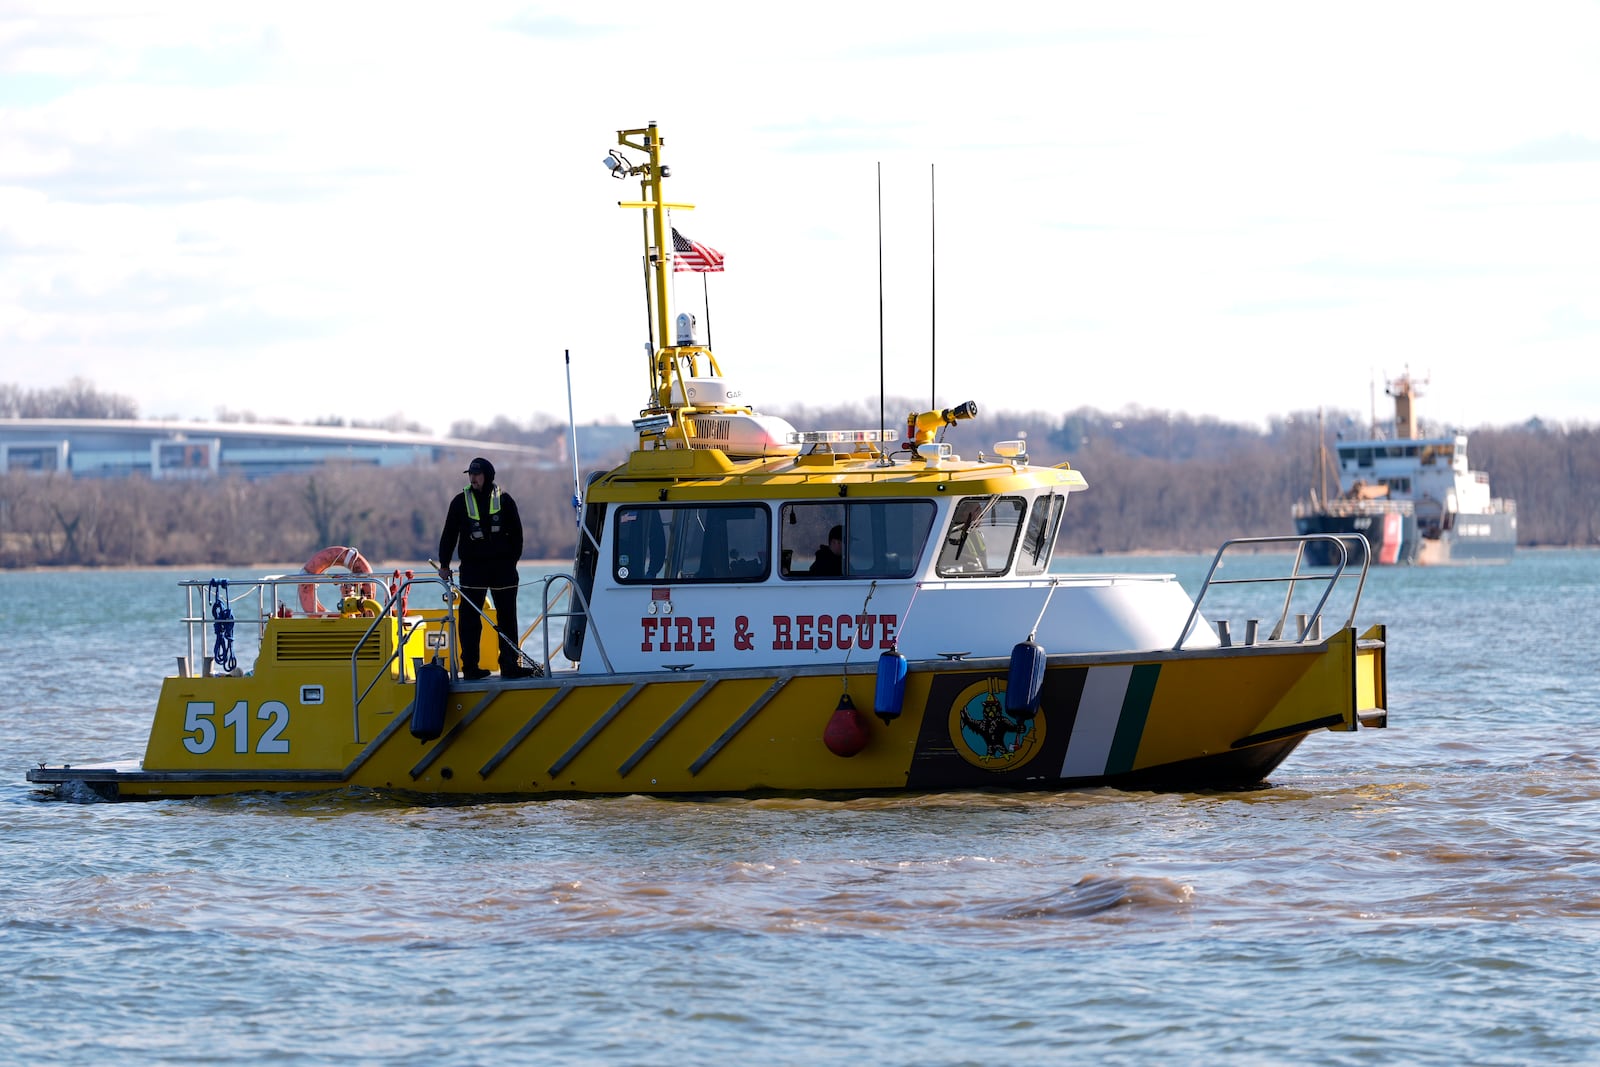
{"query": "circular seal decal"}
[(988, 736)]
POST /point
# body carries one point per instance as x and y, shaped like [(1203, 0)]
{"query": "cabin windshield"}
[(876, 538), (984, 530), (1039, 536), (714, 543)]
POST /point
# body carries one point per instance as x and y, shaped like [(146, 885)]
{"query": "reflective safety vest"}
[(475, 530)]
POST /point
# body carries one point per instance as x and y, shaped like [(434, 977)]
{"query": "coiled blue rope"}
[(222, 625)]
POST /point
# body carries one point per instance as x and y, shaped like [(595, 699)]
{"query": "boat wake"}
[(1097, 895)]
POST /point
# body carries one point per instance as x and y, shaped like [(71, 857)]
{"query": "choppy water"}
[(1428, 894)]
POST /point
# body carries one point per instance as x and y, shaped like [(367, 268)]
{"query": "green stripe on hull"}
[(1130, 724)]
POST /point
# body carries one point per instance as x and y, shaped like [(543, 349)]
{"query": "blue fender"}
[(427, 709), (890, 697), (1025, 680)]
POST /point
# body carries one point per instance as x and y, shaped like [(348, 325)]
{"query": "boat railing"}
[(265, 594), (260, 599), (541, 621), (1308, 626), (394, 605), (1343, 507), (197, 617), (568, 589)]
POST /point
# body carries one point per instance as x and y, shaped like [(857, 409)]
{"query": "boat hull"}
[(1217, 718), (1392, 535)]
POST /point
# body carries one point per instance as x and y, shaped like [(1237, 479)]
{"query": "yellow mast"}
[(670, 410), (668, 361)]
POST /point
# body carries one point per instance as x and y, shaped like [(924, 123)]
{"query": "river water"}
[(1426, 894)]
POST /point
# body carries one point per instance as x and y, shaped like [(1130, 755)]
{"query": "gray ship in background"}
[(1415, 499)]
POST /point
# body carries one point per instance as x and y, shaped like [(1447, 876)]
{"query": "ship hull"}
[(1396, 539), (1392, 535)]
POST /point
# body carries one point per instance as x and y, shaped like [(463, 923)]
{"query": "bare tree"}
[(1219, 481), (78, 399)]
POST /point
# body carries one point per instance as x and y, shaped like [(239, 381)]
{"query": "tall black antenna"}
[(933, 295), (880, 297), (649, 314), (705, 296)]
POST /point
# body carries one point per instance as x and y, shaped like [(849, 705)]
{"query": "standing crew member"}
[(483, 523)]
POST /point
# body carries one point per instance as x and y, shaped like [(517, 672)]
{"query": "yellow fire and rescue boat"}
[(705, 642)]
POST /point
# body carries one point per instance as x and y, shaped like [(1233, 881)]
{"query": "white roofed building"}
[(163, 449)]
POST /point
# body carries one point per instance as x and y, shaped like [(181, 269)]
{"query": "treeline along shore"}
[(1157, 482)]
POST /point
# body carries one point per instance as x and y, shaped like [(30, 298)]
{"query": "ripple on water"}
[(1425, 894)]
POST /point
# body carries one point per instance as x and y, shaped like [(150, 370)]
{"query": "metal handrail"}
[(398, 653), (583, 611), (195, 620), (538, 621), (1342, 543), (483, 620), (265, 591), (547, 612)]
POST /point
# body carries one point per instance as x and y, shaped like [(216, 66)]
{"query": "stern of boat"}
[(321, 691)]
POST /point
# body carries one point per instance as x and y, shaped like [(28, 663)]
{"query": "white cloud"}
[(1235, 209)]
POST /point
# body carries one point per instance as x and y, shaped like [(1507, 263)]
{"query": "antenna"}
[(649, 310), (1322, 456), (880, 296), (705, 298), (933, 294), (572, 428)]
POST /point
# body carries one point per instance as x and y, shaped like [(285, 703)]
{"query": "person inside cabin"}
[(485, 529), (830, 557)]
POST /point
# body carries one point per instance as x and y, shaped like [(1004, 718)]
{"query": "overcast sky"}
[(1225, 209)]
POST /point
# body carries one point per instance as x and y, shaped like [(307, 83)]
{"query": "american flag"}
[(692, 255)]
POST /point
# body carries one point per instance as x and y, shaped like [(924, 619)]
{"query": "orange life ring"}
[(334, 556)]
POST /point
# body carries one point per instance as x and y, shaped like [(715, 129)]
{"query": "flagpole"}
[(649, 315)]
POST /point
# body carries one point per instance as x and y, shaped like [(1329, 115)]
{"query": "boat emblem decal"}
[(986, 735)]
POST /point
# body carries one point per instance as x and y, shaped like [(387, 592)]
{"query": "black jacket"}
[(490, 559)]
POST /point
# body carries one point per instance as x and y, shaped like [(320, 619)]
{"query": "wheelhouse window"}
[(983, 532), (1039, 535), (1357, 456), (682, 543), (854, 539)]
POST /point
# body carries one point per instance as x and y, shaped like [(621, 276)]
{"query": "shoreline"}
[(260, 569)]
